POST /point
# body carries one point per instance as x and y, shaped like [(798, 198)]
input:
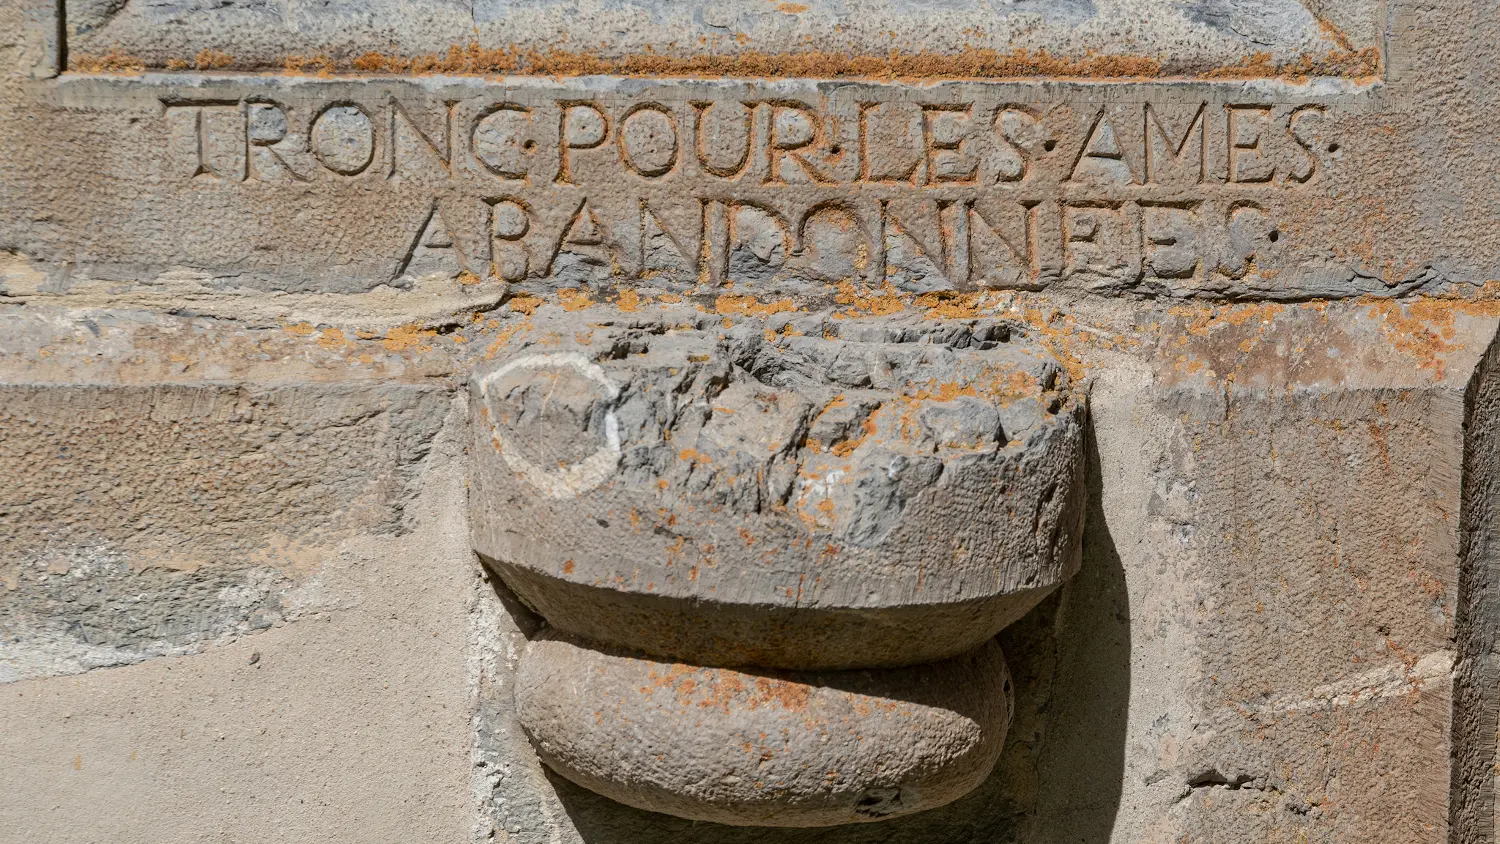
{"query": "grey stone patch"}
[(1263, 23), (76, 609), (143, 521)]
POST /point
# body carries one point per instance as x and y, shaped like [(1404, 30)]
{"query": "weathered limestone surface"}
[(1130, 686), (344, 718), (1186, 38), (248, 270)]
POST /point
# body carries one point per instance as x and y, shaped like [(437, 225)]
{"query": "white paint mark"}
[(575, 479), (1432, 671)]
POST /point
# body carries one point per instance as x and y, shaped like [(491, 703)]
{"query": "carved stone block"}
[(801, 493), (796, 492)]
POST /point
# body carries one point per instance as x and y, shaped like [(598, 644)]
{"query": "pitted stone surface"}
[(798, 493), (1187, 36), (766, 749)]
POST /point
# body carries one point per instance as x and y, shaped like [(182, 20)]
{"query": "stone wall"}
[(253, 256)]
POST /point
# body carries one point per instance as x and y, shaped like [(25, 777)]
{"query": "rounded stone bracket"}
[(785, 535)]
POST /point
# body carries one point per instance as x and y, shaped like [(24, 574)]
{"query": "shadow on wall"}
[(1059, 779)]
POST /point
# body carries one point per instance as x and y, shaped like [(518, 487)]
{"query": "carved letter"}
[(434, 249), (217, 137), (1248, 163), (498, 139), (510, 220), (1170, 160), (444, 156), (342, 138), (1295, 131), (1101, 159), (945, 127), (648, 140), (1018, 130), (793, 127), (266, 126), (711, 143), (581, 126)]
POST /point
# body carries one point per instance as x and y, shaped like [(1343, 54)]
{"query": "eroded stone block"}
[(798, 494)]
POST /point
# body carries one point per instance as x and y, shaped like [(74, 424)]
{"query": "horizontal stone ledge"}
[(1071, 37)]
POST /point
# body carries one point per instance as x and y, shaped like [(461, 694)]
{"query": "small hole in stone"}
[(1050, 145), (1274, 236), (1333, 147), (878, 802), (529, 146), (835, 149)]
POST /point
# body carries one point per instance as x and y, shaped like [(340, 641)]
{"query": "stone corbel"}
[(773, 557)]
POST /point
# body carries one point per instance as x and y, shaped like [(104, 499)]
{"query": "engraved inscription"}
[(779, 192)]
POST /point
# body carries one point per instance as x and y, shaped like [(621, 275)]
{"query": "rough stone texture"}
[(1116, 696), (765, 749), (1476, 674), (1142, 713), (1187, 37), (802, 493)]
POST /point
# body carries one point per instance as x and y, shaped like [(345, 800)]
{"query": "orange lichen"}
[(750, 306), (408, 338), (1206, 317), (333, 339), (885, 301), (212, 60), (112, 62), (1424, 328), (1352, 64), (574, 299), (950, 305), (847, 447), (975, 62), (525, 304), (510, 331), (970, 62), (321, 65)]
